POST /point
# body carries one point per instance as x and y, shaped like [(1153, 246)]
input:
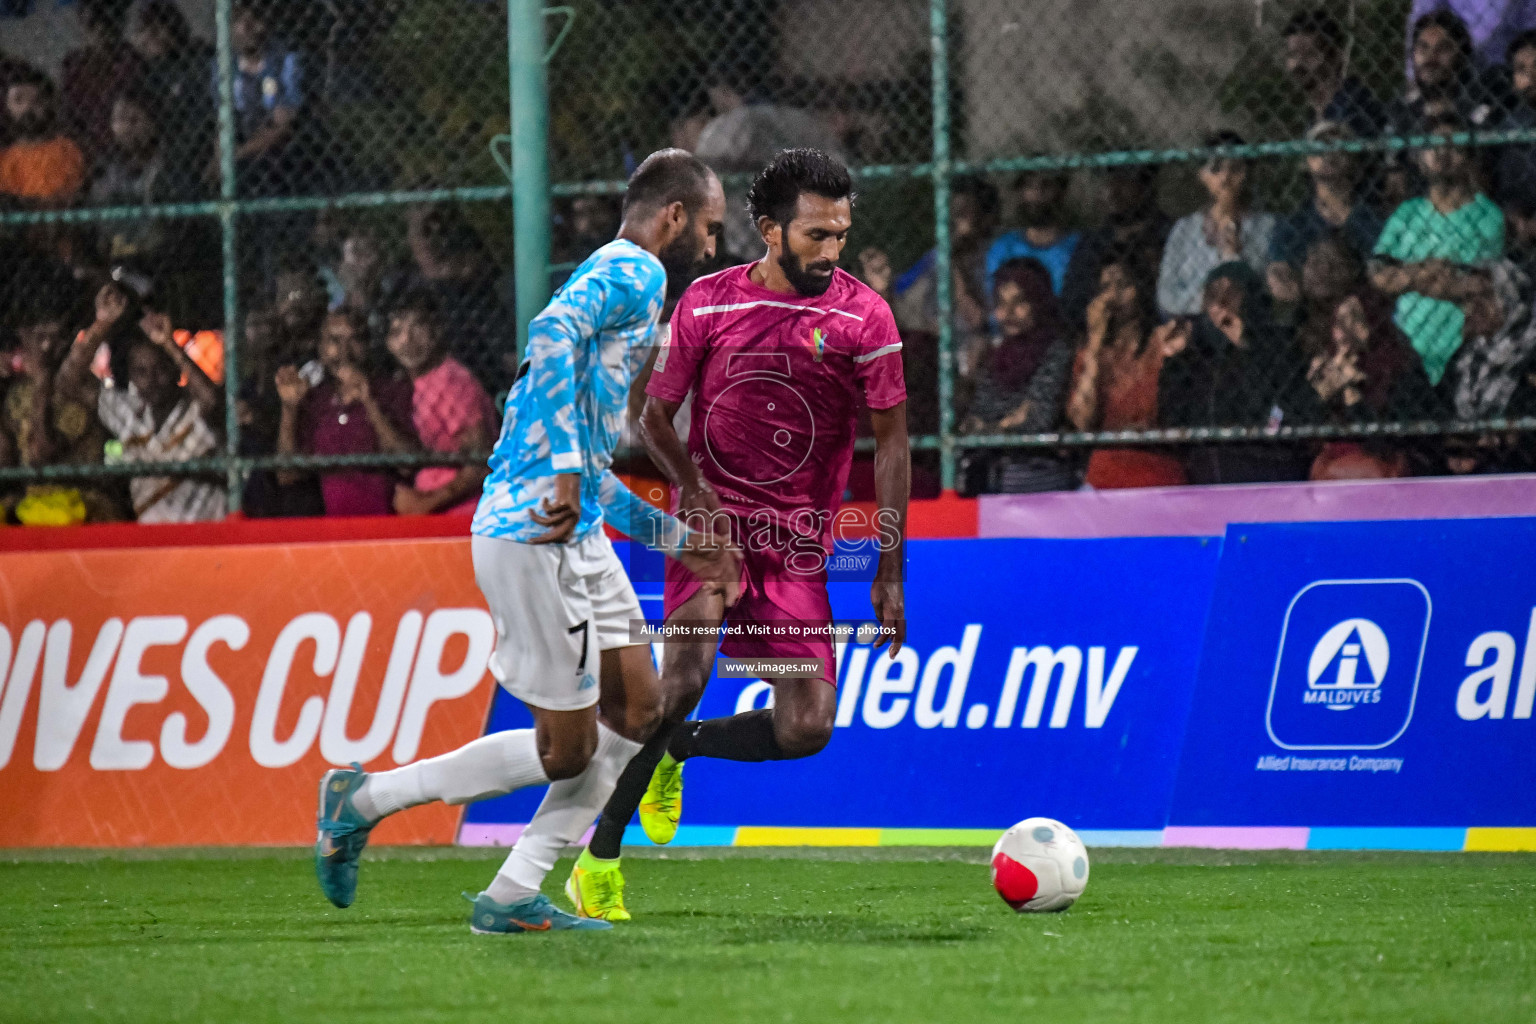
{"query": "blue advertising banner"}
[(1040, 677), (1367, 675)]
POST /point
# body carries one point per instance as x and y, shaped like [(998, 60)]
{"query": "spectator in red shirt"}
[(1115, 380), (42, 167), (451, 411), (347, 412)]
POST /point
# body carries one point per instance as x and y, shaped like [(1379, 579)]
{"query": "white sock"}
[(570, 806), (490, 766)]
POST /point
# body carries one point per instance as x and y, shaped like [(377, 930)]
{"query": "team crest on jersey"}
[(818, 343)]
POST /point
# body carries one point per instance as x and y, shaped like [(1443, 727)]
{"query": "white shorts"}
[(556, 608)]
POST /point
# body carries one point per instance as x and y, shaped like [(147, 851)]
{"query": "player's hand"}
[(561, 514), (885, 596), (697, 505), (715, 561)]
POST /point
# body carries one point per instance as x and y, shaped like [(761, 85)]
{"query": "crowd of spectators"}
[(1399, 287), (383, 336)]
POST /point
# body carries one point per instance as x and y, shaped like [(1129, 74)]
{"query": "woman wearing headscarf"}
[(1239, 370), (1491, 374), (1115, 378), (1368, 373), (1331, 270), (1499, 336), (1021, 382)]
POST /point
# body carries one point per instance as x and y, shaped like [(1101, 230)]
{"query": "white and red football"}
[(1039, 866)]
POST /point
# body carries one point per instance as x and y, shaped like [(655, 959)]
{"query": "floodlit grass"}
[(742, 935)]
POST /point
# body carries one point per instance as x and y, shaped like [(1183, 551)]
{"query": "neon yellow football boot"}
[(596, 888), (662, 805)]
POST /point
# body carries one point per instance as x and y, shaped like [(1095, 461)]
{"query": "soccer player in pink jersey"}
[(778, 355)]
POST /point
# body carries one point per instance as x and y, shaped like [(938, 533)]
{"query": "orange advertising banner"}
[(194, 695)]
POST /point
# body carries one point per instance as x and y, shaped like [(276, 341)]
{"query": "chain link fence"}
[(1127, 244)]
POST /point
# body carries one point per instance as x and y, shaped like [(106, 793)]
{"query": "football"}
[(1039, 866)]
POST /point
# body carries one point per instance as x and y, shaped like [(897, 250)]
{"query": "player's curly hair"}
[(778, 187)]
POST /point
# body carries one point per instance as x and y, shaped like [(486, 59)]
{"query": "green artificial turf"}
[(879, 935)]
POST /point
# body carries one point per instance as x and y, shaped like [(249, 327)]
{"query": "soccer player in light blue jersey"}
[(561, 600)]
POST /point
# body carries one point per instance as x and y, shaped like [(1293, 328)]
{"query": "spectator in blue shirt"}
[(1335, 206), (269, 97), (1043, 233)]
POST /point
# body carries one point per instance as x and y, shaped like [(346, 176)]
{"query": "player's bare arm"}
[(696, 496), (707, 553), (893, 485), (563, 513)]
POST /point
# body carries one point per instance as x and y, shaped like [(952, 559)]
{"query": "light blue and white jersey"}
[(567, 408)]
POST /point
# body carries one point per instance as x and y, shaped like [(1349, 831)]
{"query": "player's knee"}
[(681, 701), (802, 735), (642, 719), (684, 682), (568, 760), (693, 673)]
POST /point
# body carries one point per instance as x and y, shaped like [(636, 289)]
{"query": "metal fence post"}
[(938, 30), (529, 91), (227, 213)]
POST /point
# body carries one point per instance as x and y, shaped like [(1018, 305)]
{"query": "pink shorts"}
[(766, 596)]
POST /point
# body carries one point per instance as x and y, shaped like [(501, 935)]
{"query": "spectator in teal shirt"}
[(1429, 238)]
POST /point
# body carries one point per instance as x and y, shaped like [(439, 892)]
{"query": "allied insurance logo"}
[(1342, 647), (1347, 672)]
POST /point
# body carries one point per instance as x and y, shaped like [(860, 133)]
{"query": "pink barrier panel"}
[(480, 834), (1237, 838), (1206, 511)]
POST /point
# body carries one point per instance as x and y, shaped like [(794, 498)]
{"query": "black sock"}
[(680, 743), (621, 806), (744, 737)]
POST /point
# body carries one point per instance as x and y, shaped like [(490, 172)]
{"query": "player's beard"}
[(800, 276), (682, 258)]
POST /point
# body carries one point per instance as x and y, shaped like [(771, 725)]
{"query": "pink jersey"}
[(777, 382)]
